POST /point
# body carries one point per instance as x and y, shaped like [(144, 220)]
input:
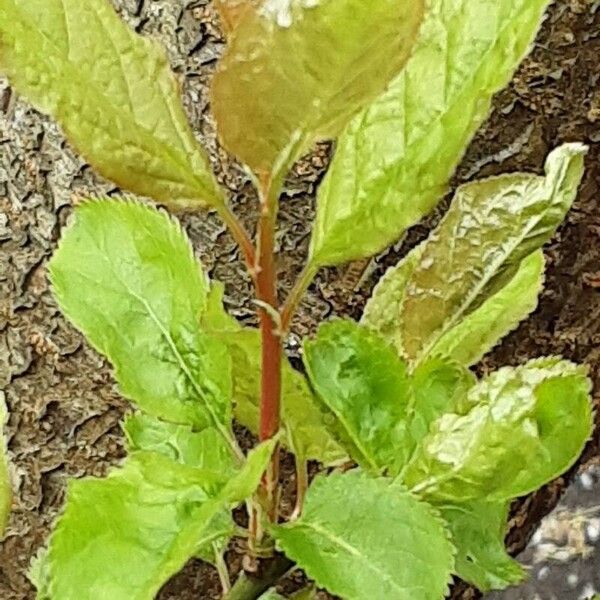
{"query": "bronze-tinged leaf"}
[(113, 93), (297, 70), (233, 11)]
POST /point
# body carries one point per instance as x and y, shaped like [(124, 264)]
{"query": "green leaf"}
[(490, 228), (365, 386), (5, 489), (123, 536), (117, 536), (306, 433), (360, 538), (498, 315), (272, 594), (204, 449), (520, 428), (113, 93), (382, 311), (438, 387), (393, 161), (125, 275), (478, 530), (479, 331), (244, 484), (287, 106)]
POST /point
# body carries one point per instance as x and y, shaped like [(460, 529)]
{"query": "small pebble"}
[(543, 573), (593, 530), (586, 480)]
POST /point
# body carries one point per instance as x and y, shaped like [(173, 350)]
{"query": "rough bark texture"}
[(64, 406)]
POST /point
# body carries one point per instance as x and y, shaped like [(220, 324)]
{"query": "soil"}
[(64, 406)]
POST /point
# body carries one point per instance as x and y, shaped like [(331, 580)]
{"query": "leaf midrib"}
[(354, 551)]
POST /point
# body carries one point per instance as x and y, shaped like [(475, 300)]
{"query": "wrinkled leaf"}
[(123, 536), (393, 161), (365, 386), (306, 434), (498, 315), (360, 537), (113, 93), (5, 489), (204, 449), (272, 594), (478, 530), (438, 387), (125, 275), (382, 311), (490, 228), (284, 79), (520, 428)]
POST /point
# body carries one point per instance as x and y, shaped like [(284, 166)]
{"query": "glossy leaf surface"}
[(361, 537), (478, 531), (438, 387), (479, 331), (393, 162), (498, 315), (520, 428), (306, 434), (490, 228), (125, 275), (113, 93), (123, 536), (297, 70), (232, 12), (383, 310), (365, 386)]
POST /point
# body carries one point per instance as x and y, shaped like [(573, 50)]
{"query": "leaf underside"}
[(113, 93), (478, 530)]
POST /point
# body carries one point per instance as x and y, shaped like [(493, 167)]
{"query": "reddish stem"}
[(266, 280)]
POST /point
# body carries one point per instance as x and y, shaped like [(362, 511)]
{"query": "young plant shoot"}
[(420, 458)]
